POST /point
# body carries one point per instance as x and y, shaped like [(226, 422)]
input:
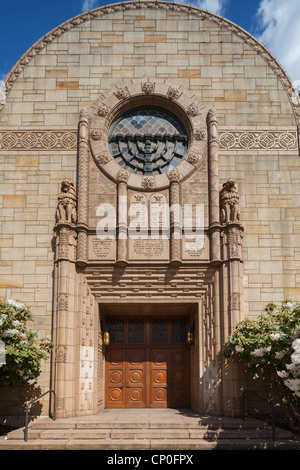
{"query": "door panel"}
[(159, 378), (115, 359), (151, 368), (135, 378)]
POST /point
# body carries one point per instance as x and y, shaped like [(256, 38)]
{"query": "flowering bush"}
[(270, 346), (21, 360)]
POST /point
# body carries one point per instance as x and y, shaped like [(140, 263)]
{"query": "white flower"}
[(275, 336), (295, 358), (289, 305), (283, 374), (239, 348), (293, 384), (16, 323), (11, 332), (14, 303), (296, 345), (280, 354), (261, 351), (296, 332)]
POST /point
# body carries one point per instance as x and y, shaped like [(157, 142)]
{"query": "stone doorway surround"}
[(89, 272)]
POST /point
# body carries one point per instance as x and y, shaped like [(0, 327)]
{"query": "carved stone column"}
[(175, 218), (213, 168), (83, 182), (232, 285), (121, 232), (65, 300)]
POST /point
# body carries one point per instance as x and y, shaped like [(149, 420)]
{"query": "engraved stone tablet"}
[(102, 250)]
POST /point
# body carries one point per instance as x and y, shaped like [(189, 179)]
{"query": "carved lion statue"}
[(67, 201), (229, 203)]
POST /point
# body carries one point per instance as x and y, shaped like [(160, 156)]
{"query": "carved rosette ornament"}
[(200, 134), (103, 158), (103, 111), (173, 93), (95, 134), (122, 93), (148, 182), (192, 110), (193, 158), (148, 88)]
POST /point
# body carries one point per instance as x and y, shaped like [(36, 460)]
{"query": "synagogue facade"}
[(150, 200)]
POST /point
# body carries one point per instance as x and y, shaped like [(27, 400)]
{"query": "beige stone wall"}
[(71, 71)]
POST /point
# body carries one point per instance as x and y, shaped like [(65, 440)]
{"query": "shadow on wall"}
[(13, 403)]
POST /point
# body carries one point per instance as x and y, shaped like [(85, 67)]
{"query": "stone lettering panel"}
[(101, 250)]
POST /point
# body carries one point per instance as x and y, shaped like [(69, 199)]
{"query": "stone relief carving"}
[(192, 110), (260, 140), (173, 93), (38, 140), (122, 176), (148, 88), (103, 158), (67, 203), (200, 134), (148, 182), (174, 175), (229, 203), (122, 93), (103, 111), (228, 139), (95, 134), (193, 158)]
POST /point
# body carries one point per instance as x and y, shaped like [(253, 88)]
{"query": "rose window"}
[(148, 141)]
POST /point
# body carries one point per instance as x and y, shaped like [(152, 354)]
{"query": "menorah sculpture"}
[(149, 153)]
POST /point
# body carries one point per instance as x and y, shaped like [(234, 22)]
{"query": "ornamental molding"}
[(38, 140), (229, 139), (164, 5), (248, 139)]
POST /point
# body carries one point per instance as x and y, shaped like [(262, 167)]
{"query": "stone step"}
[(145, 433), (125, 431), (148, 444)]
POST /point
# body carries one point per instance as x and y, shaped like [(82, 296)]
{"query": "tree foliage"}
[(270, 347), (22, 352)]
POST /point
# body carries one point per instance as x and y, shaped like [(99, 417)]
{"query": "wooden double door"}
[(147, 364)]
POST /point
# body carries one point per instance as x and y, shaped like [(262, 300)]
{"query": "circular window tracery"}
[(148, 140)]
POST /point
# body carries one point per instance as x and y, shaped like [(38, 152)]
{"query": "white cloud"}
[(278, 29), (88, 5), (214, 6)]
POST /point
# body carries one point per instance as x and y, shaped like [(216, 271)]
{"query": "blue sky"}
[(275, 22)]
